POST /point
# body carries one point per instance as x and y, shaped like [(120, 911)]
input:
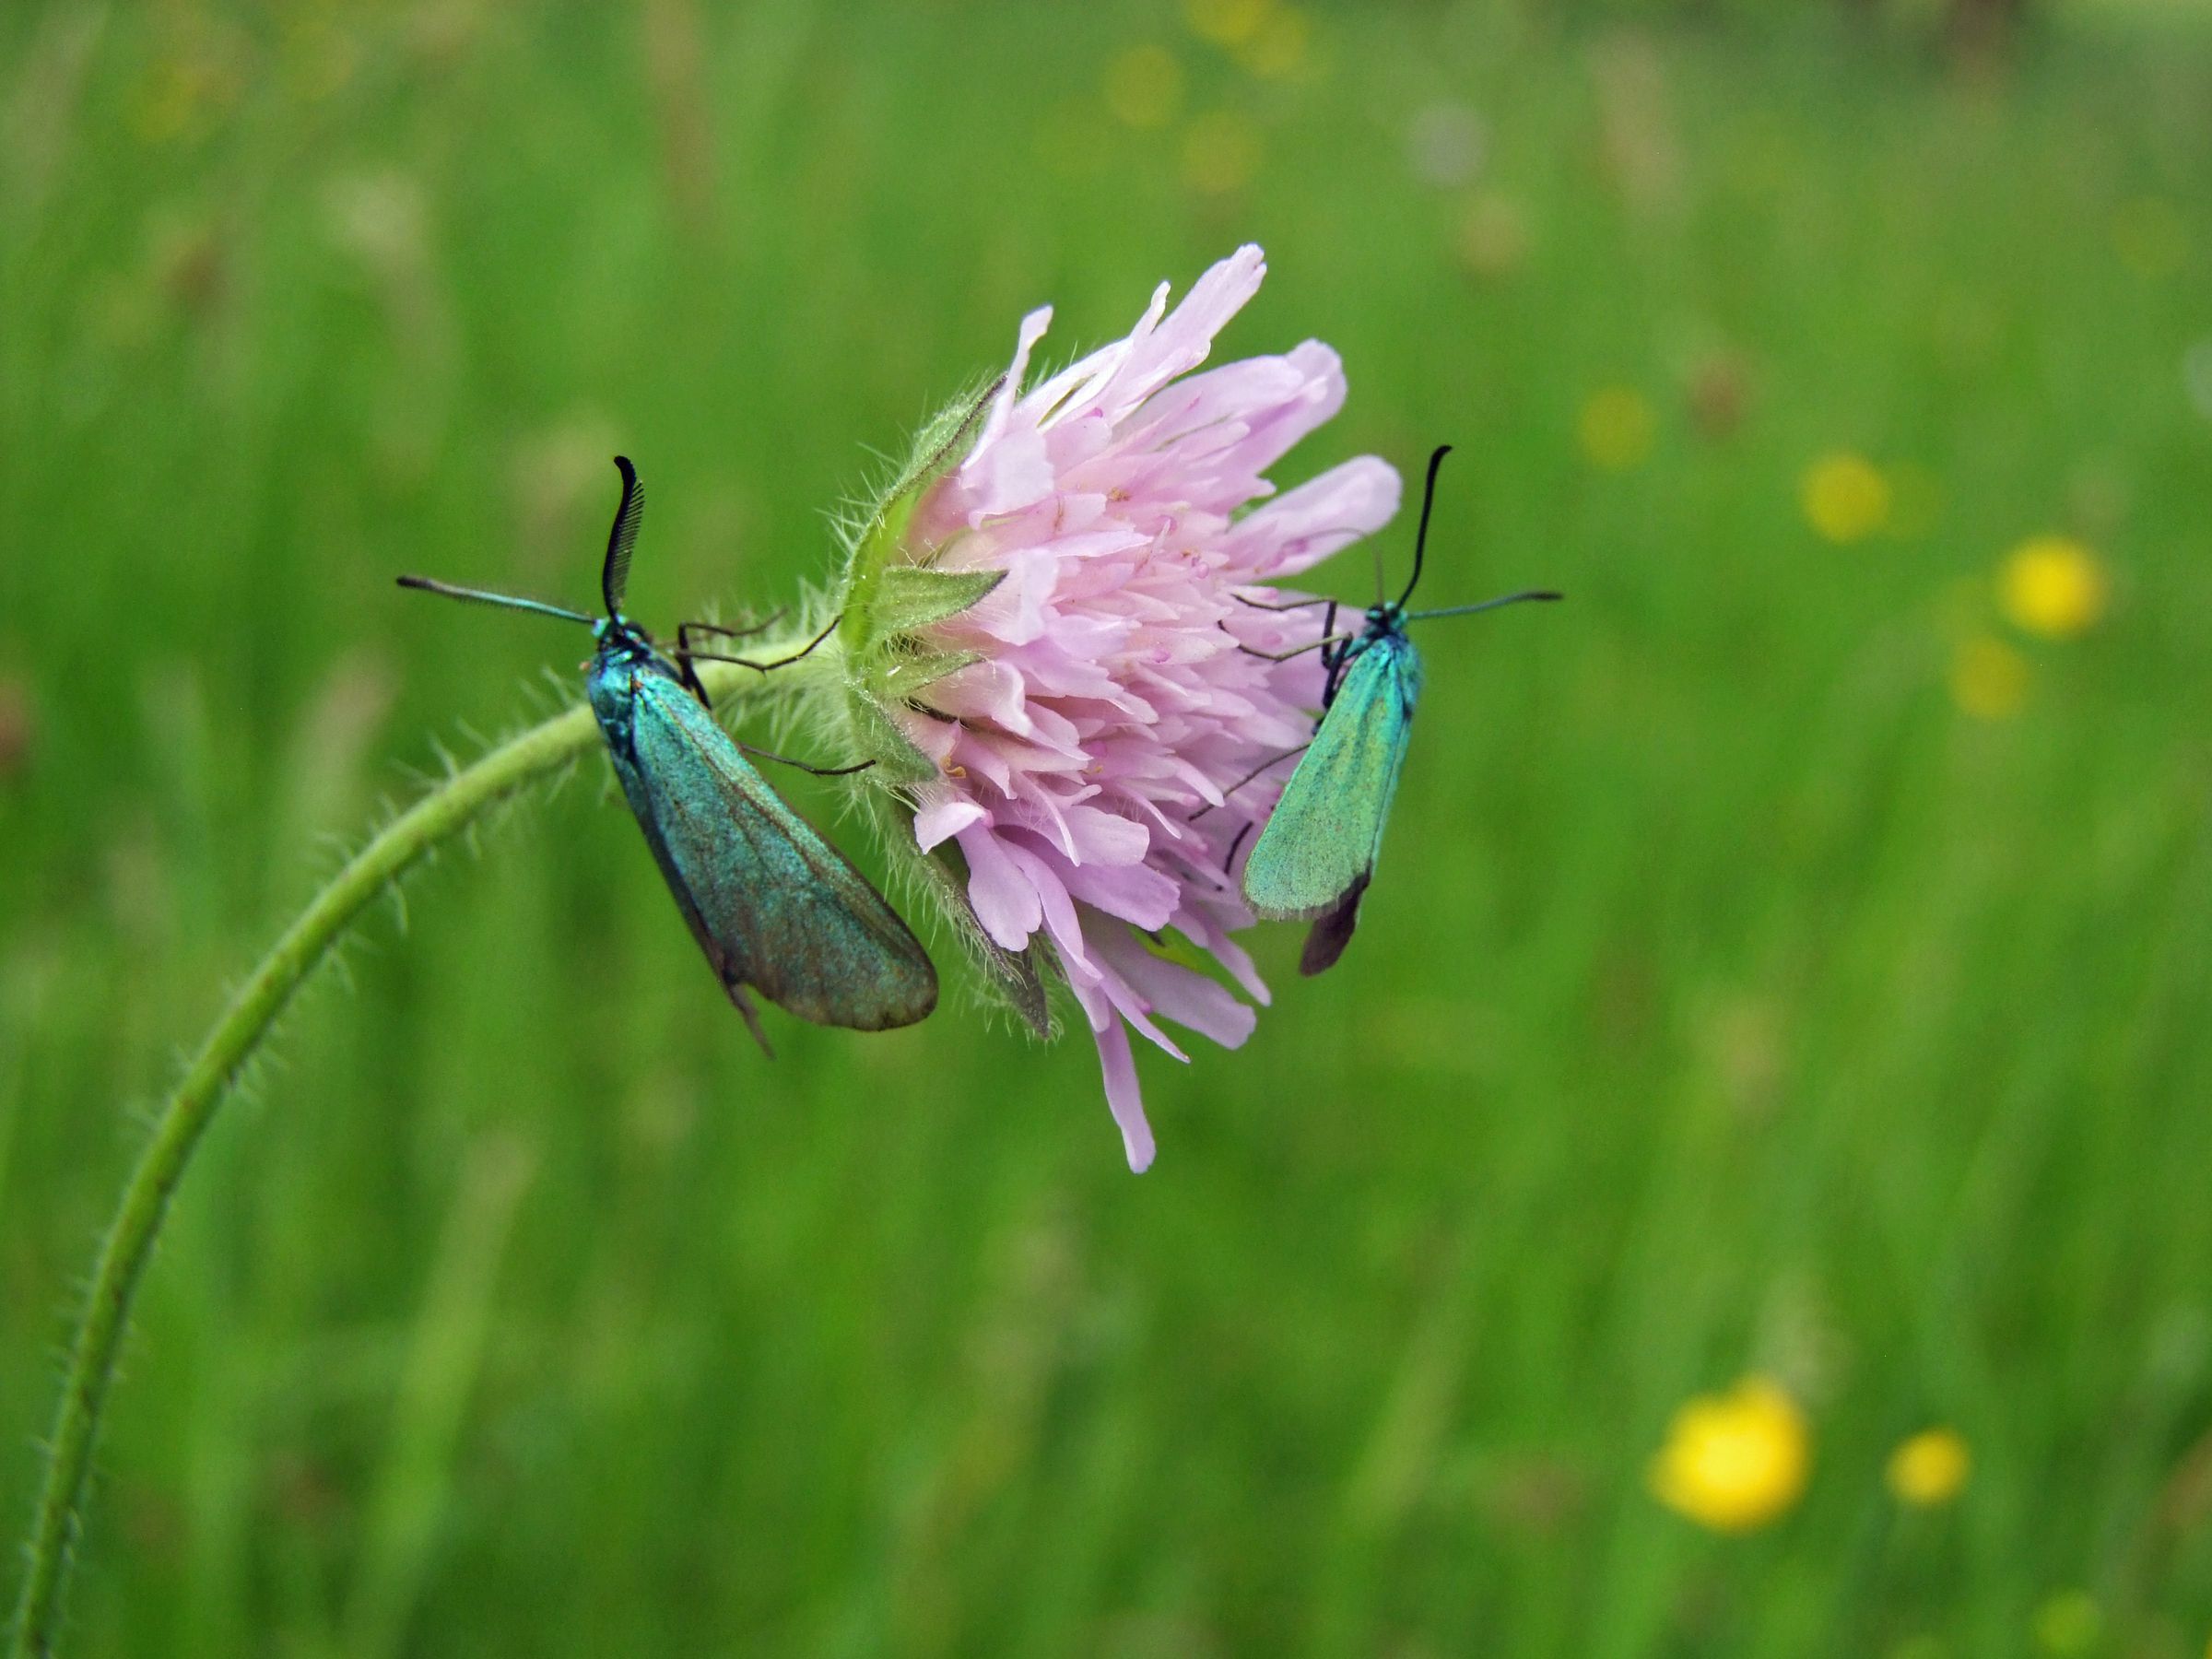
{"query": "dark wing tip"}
[(1328, 937), (918, 999)]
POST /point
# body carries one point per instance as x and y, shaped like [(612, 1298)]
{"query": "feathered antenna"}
[(613, 576)]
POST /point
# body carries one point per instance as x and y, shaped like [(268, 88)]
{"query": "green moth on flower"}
[(1317, 851)]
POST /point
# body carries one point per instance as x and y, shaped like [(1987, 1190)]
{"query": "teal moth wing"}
[(772, 905), (1319, 846)]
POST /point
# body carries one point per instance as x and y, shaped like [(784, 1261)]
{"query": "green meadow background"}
[(1782, 963)]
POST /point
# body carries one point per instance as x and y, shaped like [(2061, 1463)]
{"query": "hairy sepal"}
[(893, 591)]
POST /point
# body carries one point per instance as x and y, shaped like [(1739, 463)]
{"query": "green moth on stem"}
[(448, 811), (772, 905)]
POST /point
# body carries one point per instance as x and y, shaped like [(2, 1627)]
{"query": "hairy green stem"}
[(436, 817)]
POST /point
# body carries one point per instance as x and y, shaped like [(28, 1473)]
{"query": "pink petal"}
[(936, 820), (1171, 990), (1005, 901), (1303, 526), (1124, 1098), (1232, 957), (1181, 342), (1009, 389), (1060, 918), (1012, 472), (1136, 894), (1117, 687)]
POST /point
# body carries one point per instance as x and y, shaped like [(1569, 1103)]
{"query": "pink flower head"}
[(1094, 758)]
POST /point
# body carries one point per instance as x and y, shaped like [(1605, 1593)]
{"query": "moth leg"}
[(688, 675), (828, 628), (1248, 777), (716, 629), (1290, 605), (1298, 651), (752, 1017), (820, 771), (685, 651), (1333, 663), (715, 657), (1228, 859)]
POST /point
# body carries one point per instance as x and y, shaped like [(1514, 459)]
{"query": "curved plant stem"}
[(444, 812)]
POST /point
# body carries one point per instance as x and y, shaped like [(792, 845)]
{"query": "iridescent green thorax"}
[(623, 652), (1383, 638)]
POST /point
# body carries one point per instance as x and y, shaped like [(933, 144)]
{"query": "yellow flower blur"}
[(1930, 1468), (1143, 87), (2069, 1623), (1226, 22), (1737, 1461), (1277, 50), (2053, 586), (1846, 496), (1616, 428), (1989, 679)]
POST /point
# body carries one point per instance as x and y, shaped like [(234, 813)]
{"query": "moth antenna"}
[(613, 576), (1546, 596), (1420, 538), (424, 584)]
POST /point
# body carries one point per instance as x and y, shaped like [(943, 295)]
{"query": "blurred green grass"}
[(1733, 999)]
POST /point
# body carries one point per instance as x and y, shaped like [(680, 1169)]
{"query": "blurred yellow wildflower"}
[(2053, 586), (1277, 50), (1845, 496), (1144, 86), (1930, 1468), (1989, 679), (1220, 152), (1735, 1462), (1226, 22), (1616, 428), (2070, 1622)]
